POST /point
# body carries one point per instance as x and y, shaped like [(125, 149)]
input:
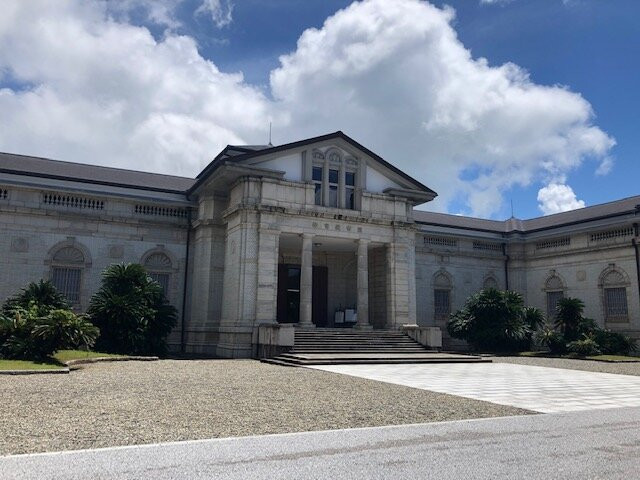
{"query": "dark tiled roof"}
[(458, 221), (580, 215), (47, 168)]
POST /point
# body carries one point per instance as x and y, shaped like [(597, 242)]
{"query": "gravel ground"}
[(144, 402), (587, 365)]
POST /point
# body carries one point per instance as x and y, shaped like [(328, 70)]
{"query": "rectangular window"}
[(317, 180), (350, 194), (67, 282), (163, 280), (552, 302), (615, 304), (442, 303), (333, 187)]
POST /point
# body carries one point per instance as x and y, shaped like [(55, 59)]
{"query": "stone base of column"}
[(364, 326), (305, 325)]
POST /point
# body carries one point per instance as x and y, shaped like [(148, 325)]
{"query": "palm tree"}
[(131, 312), (568, 317)]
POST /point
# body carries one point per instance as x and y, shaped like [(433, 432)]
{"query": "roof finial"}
[(512, 216), (270, 144)]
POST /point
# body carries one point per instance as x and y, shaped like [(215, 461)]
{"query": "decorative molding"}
[(68, 256)]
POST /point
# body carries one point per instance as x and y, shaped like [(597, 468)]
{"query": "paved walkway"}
[(571, 446), (538, 389)]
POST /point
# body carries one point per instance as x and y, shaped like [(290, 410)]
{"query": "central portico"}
[(310, 229)]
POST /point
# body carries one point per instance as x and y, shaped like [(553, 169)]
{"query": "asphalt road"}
[(599, 444)]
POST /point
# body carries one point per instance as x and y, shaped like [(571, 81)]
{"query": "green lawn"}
[(605, 358), (28, 365), (66, 355), (56, 362)]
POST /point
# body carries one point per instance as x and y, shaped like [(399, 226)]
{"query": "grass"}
[(66, 355), (29, 365), (601, 358), (56, 362)]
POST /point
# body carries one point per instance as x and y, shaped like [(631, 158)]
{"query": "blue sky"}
[(589, 47)]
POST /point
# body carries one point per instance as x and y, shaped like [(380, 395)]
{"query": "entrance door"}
[(289, 295), (319, 296)]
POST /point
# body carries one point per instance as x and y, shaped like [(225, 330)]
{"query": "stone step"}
[(349, 359)]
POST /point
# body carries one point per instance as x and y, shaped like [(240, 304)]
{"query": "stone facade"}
[(268, 235)]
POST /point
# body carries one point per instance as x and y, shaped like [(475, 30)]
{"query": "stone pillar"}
[(306, 281), (363, 284)]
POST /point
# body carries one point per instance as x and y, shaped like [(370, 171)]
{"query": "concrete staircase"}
[(325, 346)]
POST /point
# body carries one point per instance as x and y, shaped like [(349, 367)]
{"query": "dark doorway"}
[(319, 296), (289, 294)]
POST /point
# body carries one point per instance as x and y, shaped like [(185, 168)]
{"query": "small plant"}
[(552, 339), (584, 347), (614, 343), (24, 334), (42, 294)]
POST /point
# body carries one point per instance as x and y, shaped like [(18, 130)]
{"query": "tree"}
[(131, 312), (493, 320), (569, 317)]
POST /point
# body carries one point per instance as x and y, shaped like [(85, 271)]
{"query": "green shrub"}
[(584, 347), (491, 320), (614, 343), (552, 339), (24, 334), (42, 294), (131, 312)]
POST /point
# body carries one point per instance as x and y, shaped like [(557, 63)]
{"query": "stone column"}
[(306, 281), (363, 284)]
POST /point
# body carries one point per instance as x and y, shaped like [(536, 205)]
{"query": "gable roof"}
[(239, 153), (79, 172)]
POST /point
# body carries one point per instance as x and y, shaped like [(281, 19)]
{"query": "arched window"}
[(555, 292), (613, 283), (441, 297), (490, 282), (67, 263), (159, 268)]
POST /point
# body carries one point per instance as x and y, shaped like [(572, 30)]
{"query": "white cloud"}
[(394, 75), (556, 198), (605, 166), (220, 11), (107, 92)]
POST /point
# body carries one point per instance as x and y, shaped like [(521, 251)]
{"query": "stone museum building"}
[(319, 233)]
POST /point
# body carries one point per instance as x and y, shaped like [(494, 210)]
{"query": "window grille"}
[(552, 302), (489, 246), (441, 241), (611, 234), (442, 303), (557, 242), (4, 193), (163, 280), (67, 282), (153, 210), (615, 304), (72, 201)]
